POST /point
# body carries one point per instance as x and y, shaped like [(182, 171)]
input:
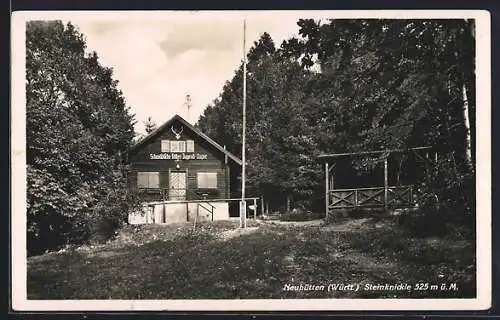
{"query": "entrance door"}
[(176, 212), (177, 185)]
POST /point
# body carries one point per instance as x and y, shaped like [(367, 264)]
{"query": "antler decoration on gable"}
[(177, 133)]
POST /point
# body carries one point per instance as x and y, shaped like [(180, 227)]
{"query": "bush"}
[(424, 222), (358, 213), (112, 214), (334, 219), (300, 215), (47, 231), (447, 196), (53, 229), (341, 215)]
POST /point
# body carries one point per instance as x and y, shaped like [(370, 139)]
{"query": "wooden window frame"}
[(148, 175), (178, 143), (189, 145), (165, 145), (204, 182)]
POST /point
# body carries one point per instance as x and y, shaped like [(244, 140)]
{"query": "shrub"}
[(446, 196), (81, 222), (300, 215), (424, 221), (336, 216), (341, 215), (112, 213)]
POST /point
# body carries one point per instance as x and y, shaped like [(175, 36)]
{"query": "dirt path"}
[(349, 225), (229, 234), (344, 226), (311, 223)]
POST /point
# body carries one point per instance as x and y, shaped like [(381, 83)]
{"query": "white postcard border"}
[(483, 173)]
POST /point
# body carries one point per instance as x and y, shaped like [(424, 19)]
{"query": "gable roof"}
[(157, 131)]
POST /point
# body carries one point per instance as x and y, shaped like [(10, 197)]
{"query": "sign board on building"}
[(178, 156)]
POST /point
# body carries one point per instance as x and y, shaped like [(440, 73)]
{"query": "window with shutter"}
[(177, 146), (142, 179), (207, 180), (154, 179), (148, 180)]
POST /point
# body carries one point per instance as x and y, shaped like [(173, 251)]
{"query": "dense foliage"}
[(357, 85), (78, 130)]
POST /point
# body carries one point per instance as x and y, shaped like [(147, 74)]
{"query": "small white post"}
[(243, 214)]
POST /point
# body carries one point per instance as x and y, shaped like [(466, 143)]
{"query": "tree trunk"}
[(470, 86), (468, 149)]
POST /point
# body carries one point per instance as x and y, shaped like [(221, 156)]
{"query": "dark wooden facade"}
[(178, 170)]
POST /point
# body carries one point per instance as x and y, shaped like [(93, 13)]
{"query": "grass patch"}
[(177, 262), (436, 260)]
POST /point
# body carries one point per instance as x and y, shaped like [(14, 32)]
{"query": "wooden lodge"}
[(182, 175)]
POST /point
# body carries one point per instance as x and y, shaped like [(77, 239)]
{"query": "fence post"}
[(196, 217), (243, 214), (255, 208), (411, 203)]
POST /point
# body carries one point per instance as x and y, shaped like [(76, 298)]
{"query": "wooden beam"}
[(162, 191), (333, 155), (200, 200), (326, 189), (331, 177)]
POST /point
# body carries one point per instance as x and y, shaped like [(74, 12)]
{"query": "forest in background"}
[(351, 85), (342, 86)]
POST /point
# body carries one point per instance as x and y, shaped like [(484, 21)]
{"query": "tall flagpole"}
[(243, 207)]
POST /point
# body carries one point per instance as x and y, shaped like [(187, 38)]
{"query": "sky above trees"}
[(159, 62), (160, 57)]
